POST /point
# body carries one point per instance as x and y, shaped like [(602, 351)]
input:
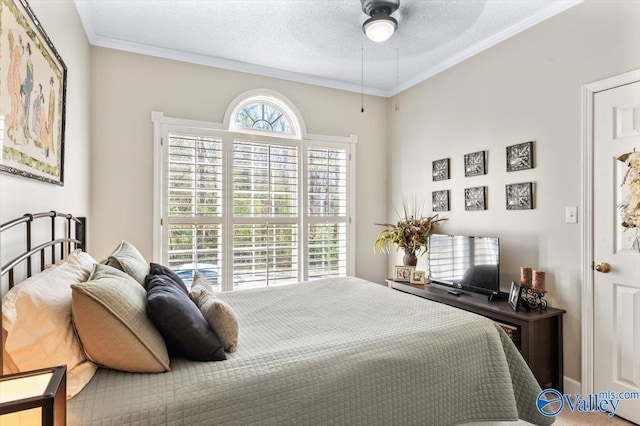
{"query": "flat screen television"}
[(458, 262)]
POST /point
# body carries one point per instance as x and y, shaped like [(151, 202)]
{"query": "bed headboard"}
[(50, 249)]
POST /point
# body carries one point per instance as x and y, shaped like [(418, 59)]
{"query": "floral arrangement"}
[(630, 207), (411, 231)]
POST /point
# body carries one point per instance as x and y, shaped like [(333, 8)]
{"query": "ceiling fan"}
[(380, 26)]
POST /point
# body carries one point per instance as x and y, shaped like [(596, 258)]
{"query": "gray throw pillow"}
[(219, 315)]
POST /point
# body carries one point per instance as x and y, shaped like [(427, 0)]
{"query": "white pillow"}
[(36, 317)]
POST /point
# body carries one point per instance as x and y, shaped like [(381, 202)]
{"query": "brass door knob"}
[(603, 267)]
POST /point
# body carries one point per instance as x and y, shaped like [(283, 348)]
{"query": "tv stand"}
[(455, 292), (538, 335), (497, 297)]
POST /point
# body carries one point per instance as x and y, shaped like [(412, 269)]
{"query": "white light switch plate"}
[(571, 215)]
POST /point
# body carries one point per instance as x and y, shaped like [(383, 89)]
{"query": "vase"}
[(409, 259)]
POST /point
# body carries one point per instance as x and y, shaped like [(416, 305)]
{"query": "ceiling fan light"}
[(380, 28)]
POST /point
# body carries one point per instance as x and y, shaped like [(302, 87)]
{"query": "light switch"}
[(571, 215)]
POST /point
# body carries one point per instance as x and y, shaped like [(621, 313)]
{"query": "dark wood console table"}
[(539, 334)]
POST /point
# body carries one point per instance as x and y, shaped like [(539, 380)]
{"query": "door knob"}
[(603, 267)]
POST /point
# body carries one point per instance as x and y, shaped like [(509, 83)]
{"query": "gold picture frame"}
[(403, 273), (33, 84), (418, 277)]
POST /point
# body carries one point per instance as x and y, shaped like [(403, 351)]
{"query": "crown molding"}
[(84, 10)]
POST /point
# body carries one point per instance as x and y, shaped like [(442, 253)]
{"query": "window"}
[(194, 205), (262, 116), (252, 203)]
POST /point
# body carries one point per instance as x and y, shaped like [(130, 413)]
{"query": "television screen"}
[(469, 263)]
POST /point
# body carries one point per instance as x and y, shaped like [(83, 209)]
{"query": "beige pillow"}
[(219, 315), (8, 366), (128, 259), (109, 313), (37, 327)]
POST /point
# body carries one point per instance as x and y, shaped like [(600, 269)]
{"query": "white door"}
[(617, 291)]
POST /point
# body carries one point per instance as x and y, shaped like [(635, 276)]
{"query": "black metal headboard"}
[(74, 238)]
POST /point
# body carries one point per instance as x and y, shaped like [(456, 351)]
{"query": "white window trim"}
[(163, 125)]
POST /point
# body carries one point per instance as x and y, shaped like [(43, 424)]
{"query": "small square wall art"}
[(440, 201), (475, 164), (475, 198), (440, 169), (520, 196), (520, 157)]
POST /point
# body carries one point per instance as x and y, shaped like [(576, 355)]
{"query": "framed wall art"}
[(440, 201), (520, 157), (475, 164), (440, 169), (519, 196), (475, 198), (32, 97)]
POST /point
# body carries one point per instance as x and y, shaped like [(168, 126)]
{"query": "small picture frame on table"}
[(514, 295), (403, 273), (417, 277)]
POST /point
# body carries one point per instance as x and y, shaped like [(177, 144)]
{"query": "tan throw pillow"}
[(8, 366), (110, 316), (219, 315), (128, 259), (37, 327)]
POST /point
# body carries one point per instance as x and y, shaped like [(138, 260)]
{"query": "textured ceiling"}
[(312, 41)]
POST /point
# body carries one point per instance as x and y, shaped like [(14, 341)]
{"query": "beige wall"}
[(526, 88), (18, 195), (128, 87)]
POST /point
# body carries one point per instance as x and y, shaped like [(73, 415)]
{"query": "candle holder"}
[(538, 281), (534, 298), (525, 276)]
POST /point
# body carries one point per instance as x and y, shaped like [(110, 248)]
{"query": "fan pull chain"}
[(397, 81), (362, 73)]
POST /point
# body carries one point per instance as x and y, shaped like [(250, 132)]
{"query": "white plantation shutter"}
[(327, 180), (265, 189), (265, 254), (194, 205), (195, 176), (195, 247), (248, 205), (327, 250), (265, 180)]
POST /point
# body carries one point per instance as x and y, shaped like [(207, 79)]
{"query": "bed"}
[(340, 351)]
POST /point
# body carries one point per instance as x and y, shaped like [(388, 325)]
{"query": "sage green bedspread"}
[(339, 351)]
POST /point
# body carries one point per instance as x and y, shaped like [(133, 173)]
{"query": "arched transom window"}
[(263, 116)]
